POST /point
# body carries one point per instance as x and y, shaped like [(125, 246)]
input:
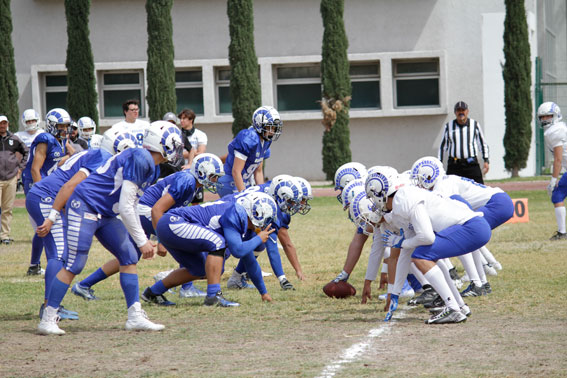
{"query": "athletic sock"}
[(560, 218), (471, 269), (57, 293), (477, 257), (451, 284), (37, 248), (158, 288), (213, 289), (448, 263), (53, 267), (437, 280), (94, 278), (129, 283), (488, 255)]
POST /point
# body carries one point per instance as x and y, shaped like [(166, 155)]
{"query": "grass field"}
[(519, 330)]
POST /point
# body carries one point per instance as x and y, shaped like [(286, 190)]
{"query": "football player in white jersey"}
[(440, 228), (555, 136), (131, 123), (30, 122)]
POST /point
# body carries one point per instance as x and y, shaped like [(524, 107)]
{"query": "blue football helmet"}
[(287, 193), (260, 208), (56, 117), (266, 121), (207, 168)]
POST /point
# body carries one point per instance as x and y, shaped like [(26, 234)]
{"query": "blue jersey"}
[(206, 215), (55, 152), (180, 185), (101, 190), (88, 160), (250, 146)]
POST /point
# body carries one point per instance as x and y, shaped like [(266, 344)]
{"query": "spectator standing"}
[(78, 143), (131, 123), (462, 138), (198, 141), (11, 166)]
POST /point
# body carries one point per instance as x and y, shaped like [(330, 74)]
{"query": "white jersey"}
[(28, 138), (436, 214), (477, 195), (199, 138), (555, 136), (138, 129)]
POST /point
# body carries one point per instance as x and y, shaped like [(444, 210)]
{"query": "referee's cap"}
[(461, 105)]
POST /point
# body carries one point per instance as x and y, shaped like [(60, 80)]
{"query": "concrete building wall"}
[(455, 32)]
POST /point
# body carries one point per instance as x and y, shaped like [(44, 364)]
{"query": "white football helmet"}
[(207, 168), (56, 117), (260, 208), (287, 193), (117, 140), (87, 127), (170, 117), (346, 173), (264, 119), (30, 120), (380, 185), (425, 172), (548, 108), (362, 213), (350, 191), (165, 138), (306, 195), (96, 141)]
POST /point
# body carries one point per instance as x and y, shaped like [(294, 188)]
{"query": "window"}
[(55, 91), (416, 83), (298, 87), (118, 87), (365, 83), (189, 90), (222, 83)]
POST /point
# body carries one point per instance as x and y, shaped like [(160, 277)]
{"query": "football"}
[(341, 289)]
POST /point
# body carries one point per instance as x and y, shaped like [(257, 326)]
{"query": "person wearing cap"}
[(462, 141), (13, 157)]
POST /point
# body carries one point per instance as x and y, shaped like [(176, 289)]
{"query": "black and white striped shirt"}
[(460, 142)]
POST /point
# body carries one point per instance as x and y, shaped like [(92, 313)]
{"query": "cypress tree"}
[(161, 70), (8, 81), (244, 81), (336, 88), (517, 82), (81, 87)]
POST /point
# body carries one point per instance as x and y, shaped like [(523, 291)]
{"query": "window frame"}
[(102, 87), (191, 84), (295, 81), (368, 78), (415, 76), (52, 89)]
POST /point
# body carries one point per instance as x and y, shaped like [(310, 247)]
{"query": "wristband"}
[(53, 214)]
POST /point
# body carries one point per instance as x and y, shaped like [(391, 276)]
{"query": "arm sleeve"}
[(481, 142), (245, 252), (444, 142), (274, 255), (127, 206), (375, 257), (424, 234)]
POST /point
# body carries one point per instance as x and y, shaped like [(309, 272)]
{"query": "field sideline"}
[(520, 329)]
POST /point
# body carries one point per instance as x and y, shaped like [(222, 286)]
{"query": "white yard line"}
[(356, 351)]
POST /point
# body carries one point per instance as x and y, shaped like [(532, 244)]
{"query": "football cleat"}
[(558, 236), (465, 310), (65, 314), (448, 315), (286, 285), (427, 295), (84, 292), (160, 300), (473, 291), (35, 270), (48, 324), (435, 302), (191, 292), (138, 320), (219, 300), (238, 281), (453, 273), (487, 288), (161, 275), (496, 265)]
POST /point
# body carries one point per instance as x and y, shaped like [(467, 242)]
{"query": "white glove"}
[(393, 240), (551, 185)]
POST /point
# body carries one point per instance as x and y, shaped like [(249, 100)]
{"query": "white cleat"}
[(161, 275), (138, 320), (490, 270), (48, 324), (496, 265)]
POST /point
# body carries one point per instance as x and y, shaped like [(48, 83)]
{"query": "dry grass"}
[(518, 330)]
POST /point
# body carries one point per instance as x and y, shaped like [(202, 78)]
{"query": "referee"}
[(461, 137)]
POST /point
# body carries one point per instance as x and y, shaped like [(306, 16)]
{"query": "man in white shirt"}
[(131, 123), (194, 137)]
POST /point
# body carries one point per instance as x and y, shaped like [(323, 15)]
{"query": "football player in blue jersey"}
[(47, 151), (201, 237), (175, 190), (46, 199), (93, 210), (247, 151)]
